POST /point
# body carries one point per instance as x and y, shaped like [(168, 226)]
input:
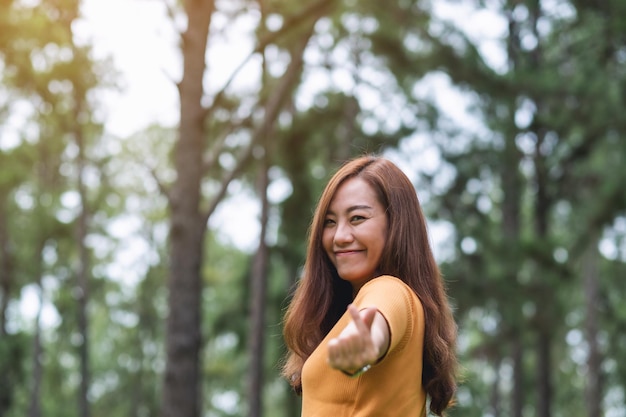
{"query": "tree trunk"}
[(182, 384), (258, 277), (258, 292), (6, 387), (181, 389), (544, 304), (82, 282), (495, 389), (594, 358), (34, 409), (5, 267), (137, 396), (541, 212), (259, 270), (512, 187), (517, 402), (293, 405), (6, 284), (544, 371)]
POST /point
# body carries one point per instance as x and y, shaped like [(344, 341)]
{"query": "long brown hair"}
[(321, 297)]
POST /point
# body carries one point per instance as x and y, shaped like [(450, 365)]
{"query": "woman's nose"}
[(343, 233)]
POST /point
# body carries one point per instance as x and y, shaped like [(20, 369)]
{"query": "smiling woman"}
[(369, 329)]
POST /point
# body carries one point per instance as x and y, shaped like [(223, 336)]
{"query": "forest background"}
[(122, 291)]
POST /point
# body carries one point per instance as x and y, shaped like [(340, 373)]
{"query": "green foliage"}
[(13, 348), (526, 203)]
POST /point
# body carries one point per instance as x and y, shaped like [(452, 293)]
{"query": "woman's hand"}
[(363, 342)]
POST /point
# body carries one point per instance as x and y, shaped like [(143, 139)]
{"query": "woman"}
[(369, 329)]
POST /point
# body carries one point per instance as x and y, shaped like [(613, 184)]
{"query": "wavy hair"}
[(321, 296)]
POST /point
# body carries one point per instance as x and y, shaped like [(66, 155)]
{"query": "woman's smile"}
[(347, 252)]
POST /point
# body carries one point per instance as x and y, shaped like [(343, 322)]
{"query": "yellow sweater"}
[(393, 387)]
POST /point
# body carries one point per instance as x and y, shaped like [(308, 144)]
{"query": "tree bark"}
[(517, 401), (495, 389), (543, 318), (541, 211), (512, 187), (5, 266), (544, 370), (6, 284), (258, 276), (82, 281), (182, 384), (258, 285), (594, 359), (34, 409)]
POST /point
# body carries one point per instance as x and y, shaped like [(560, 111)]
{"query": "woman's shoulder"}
[(385, 285), (386, 281)]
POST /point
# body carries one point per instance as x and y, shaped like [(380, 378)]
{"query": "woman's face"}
[(355, 231)]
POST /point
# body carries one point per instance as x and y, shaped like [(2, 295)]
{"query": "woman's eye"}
[(329, 222), (357, 218)]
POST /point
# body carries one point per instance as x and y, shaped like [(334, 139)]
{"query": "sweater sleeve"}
[(397, 303)]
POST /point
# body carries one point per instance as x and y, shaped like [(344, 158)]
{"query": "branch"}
[(273, 106), (162, 188), (606, 211), (216, 149), (217, 198), (171, 13), (314, 11)]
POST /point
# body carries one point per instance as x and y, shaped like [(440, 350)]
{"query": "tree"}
[(188, 218), (46, 67), (518, 197)]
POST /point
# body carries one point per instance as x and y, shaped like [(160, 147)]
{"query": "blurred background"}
[(160, 161)]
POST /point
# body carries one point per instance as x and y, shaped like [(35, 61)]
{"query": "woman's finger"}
[(362, 319)]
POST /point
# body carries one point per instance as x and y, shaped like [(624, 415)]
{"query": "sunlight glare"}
[(142, 44)]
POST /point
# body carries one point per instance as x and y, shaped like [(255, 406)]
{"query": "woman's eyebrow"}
[(352, 208), (358, 207)]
